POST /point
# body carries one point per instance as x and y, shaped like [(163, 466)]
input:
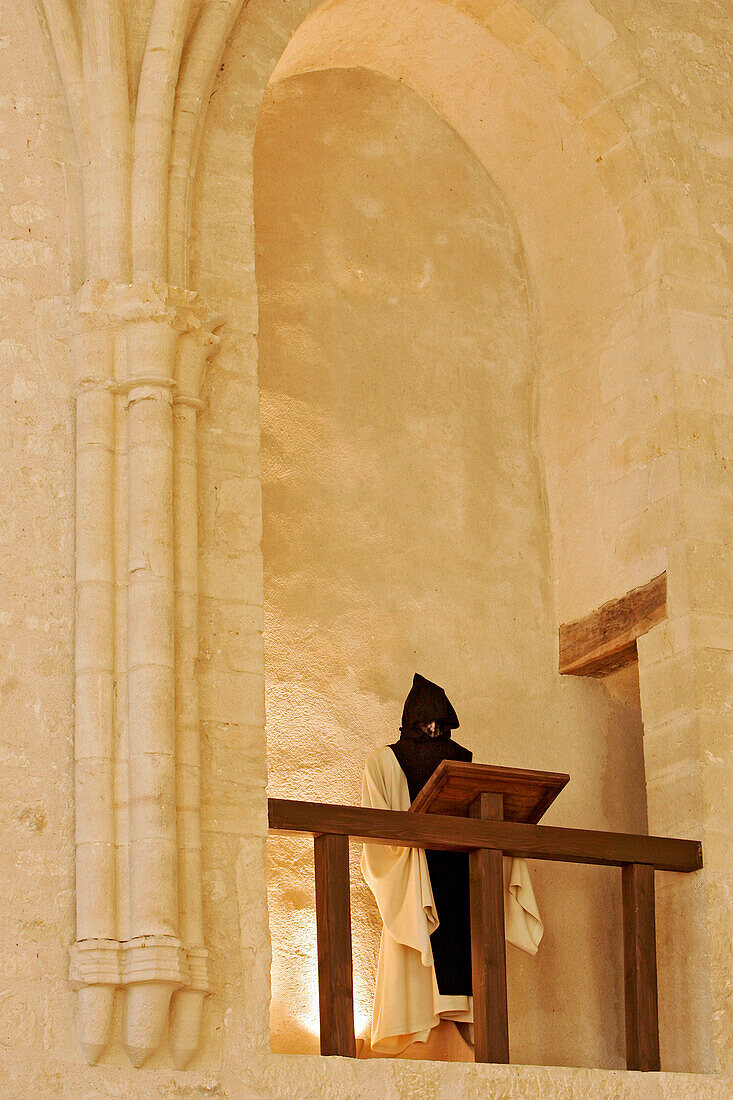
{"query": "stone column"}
[(167, 338), (158, 338), (154, 964), (137, 766), (187, 1007), (95, 957)]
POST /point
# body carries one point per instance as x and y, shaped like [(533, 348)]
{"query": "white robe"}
[(407, 1004)]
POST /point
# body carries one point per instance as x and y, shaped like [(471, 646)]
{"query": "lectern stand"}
[(491, 793)]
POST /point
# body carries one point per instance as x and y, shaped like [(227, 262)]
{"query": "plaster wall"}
[(404, 528)]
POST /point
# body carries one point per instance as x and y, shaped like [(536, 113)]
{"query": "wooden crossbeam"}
[(605, 640), (461, 834), (487, 838)]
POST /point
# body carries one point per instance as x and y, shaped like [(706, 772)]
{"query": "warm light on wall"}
[(294, 1009)]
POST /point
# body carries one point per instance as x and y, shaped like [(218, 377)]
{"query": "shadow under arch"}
[(511, 115)]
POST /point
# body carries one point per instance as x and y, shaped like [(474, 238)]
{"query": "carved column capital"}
[(194, 352), (154, 317), (100, 303)]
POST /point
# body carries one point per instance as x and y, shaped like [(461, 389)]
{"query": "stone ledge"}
[(271, 1077)]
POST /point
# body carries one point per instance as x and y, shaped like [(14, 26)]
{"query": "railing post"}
[(333, 930), (640, 968), (488, 949)]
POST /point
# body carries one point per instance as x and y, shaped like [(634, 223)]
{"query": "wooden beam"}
[(462, 834), (333, 932), (488, 944), (640, 968), (605, 640)]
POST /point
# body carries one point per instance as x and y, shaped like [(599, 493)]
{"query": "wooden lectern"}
[(499, 794)]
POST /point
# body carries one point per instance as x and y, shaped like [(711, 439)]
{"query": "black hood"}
[(418, 754), (426, 703)]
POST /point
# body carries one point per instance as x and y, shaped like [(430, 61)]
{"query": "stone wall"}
[(37, 263), (637, 94)]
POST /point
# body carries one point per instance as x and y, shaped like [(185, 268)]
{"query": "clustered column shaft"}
[(155, 945), (96, 961), (140, 347), (187, 1007)]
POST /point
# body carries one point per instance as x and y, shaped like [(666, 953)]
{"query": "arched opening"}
[(610, 430), (405, 527), (523, 126)]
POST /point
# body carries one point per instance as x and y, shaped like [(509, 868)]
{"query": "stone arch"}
[(378, 353), (600, 501), (605, 227)]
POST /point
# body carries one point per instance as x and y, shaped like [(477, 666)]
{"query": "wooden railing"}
[(486, 840)]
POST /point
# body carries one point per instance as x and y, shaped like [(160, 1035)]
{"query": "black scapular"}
[(418, 753)]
